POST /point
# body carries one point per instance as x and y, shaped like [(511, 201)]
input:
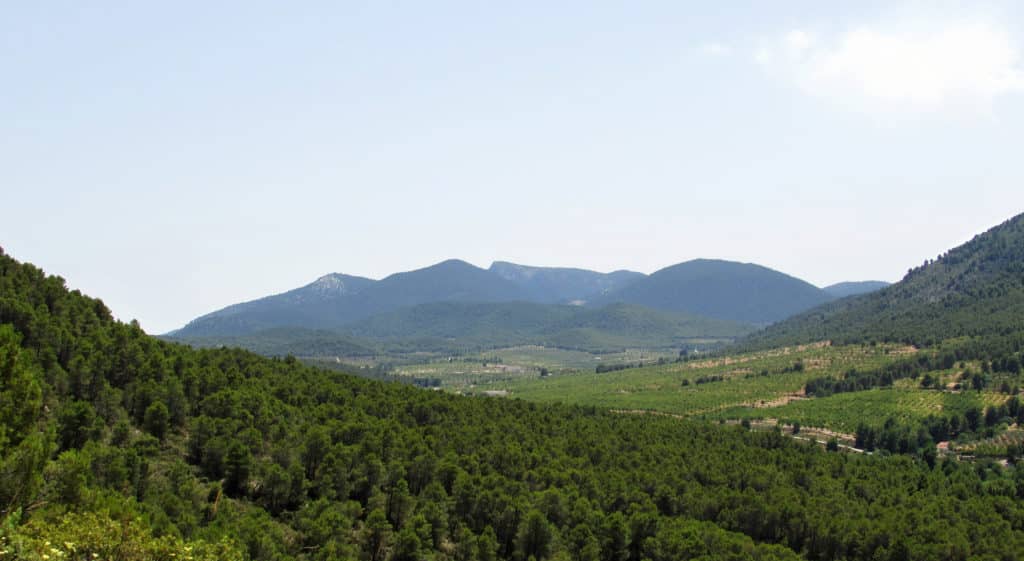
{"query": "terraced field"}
[(845, 411), (997, 445), (766, 388)]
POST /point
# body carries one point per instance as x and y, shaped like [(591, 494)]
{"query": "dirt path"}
[(819, 435), (647, 412)]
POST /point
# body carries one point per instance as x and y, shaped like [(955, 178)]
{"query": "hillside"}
[(559, 285), (315, 306), (727, 290), (974, 289), (283, 341), (119, 445), (844, 289), (457, 327), (492, 325), (336, 300)]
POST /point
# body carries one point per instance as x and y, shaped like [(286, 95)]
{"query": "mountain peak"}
[(717, 288), (335, 284), (454, 264)]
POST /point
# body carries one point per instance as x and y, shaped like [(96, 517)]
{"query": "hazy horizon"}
[(173, 160)]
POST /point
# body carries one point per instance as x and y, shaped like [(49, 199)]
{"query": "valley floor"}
[(766, 388)]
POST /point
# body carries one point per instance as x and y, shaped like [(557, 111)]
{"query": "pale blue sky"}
[(172, 160)]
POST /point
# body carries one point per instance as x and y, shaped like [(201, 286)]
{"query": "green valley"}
[(224, 454), (511, 281), (964, 400)]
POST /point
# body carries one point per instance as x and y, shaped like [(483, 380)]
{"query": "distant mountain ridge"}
[(336, 300), (559, 285), (976, 289), (455, 327), (844, 289), (305, 306), (721, 290), (742, 292)]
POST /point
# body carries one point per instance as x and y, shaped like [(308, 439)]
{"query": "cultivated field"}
[(767, 388), (510, 365), (756, 381)]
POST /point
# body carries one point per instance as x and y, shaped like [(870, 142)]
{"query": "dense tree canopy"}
[(223, 453)]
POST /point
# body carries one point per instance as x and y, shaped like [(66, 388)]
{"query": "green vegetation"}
[(443, 329), (702, 387), (467, 372), (124, 446), (845, 412), (844, 289), (451, 326), (876, 396), (976, 289), (283, 341), (883, 396)]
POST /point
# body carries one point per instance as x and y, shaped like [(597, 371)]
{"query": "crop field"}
[(557, 360), (765, 386), (502, 366), (845, 411), (706, 387), (995, 446)]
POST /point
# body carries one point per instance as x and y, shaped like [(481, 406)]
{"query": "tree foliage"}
[(231, 455)]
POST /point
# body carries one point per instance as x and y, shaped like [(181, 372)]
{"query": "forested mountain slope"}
[(844, 289), (457, 327), (727, 290), (284, 341), (974, 289), (315, 306), (114, 444), (492, 325)]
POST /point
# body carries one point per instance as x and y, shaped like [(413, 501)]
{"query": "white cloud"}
[(798, 40), (924, 69), (714, 49), (763, 56)]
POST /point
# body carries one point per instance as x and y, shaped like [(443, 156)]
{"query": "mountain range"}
[(455, 305), (337, 300), (453, 327)]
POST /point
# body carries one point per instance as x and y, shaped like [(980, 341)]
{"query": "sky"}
[(174, 158)]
